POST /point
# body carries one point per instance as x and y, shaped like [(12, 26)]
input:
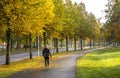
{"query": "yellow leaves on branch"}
[(29, 15), (48, 9)]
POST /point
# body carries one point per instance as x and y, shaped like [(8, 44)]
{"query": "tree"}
[(26, 17), (94, 28), (113, 20), (69, 22)]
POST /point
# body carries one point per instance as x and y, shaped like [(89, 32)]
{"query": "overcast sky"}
[(97, 7)]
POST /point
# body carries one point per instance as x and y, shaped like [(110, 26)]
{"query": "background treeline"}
[(54, 18), (112, 26)]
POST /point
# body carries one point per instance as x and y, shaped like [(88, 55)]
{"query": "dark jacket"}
[(46, 52)]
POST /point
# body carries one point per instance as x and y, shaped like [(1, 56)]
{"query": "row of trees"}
[(23, 19), (112, 25)]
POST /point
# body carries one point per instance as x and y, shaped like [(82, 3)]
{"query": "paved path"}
[(21, 56), (64, 68)]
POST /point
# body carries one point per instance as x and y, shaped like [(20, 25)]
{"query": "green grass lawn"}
[(100, 64)]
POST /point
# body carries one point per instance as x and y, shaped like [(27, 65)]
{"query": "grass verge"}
[(103, 63), (23, 65)]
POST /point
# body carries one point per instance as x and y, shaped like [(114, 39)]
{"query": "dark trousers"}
[(46, 61)]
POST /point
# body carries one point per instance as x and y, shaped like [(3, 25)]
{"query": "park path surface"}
[(21, 56), (64, 67)]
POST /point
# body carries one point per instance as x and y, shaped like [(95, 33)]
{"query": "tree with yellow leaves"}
[(26, 17), (113, 21)]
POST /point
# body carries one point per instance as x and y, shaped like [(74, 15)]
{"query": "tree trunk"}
[(90, 43), (66, 43), (81, 43), (61, 42), (56, 43), (8, 37), (51, 43), (34, 46), (30, 38), (44, 37), (93, 42), (75, 43), (40, 43), (17, 43)]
